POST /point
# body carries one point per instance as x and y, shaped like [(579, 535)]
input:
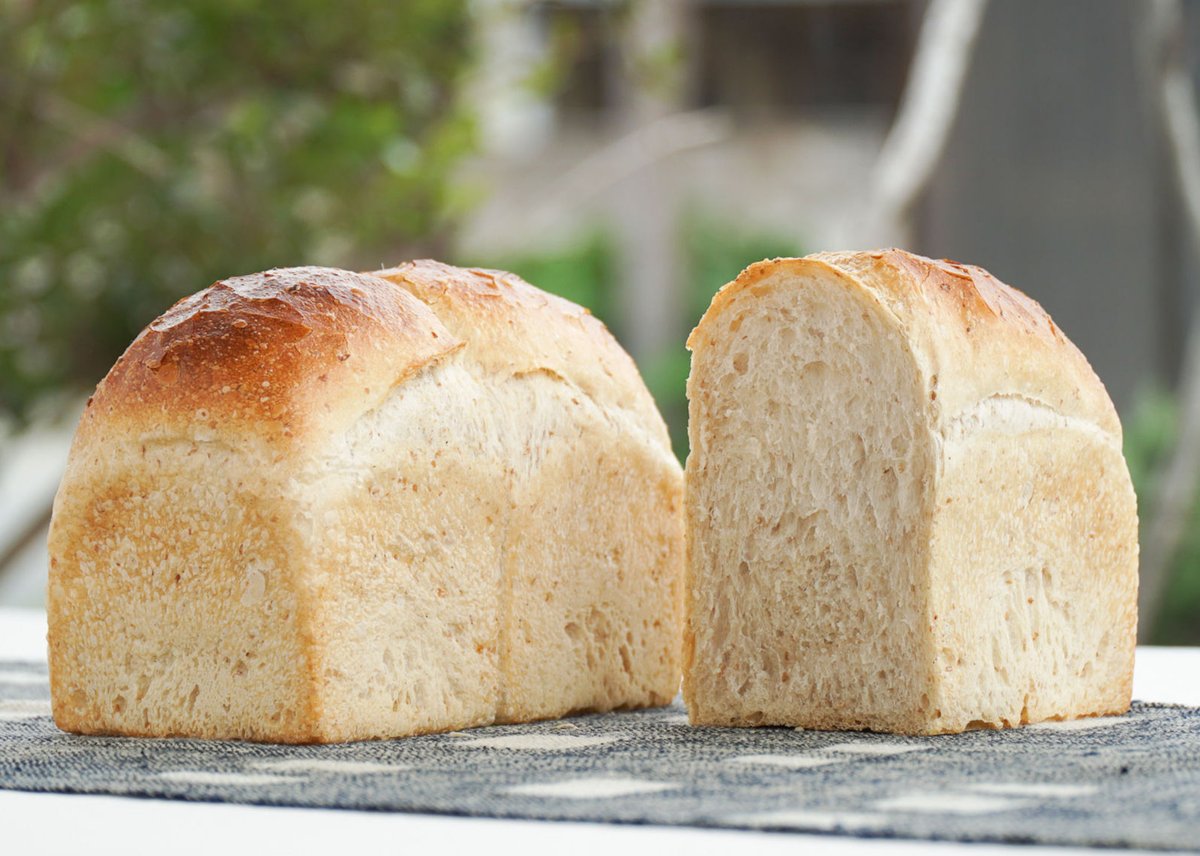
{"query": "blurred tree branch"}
[(649, 85), (1179, 475), (918, 136), (93, 132), (28, 533)]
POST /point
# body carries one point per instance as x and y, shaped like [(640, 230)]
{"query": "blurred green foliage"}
[(149, 148), (586, 272), (583, 271), (1150, 434)]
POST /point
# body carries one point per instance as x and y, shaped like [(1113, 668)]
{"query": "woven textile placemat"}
[(1131, 781)]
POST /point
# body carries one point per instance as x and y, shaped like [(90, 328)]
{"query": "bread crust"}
[(600, 474), (272, 354), (518, 329)]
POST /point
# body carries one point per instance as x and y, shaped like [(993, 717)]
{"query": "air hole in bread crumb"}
[(119, 704), (741, 362), (743, 567)]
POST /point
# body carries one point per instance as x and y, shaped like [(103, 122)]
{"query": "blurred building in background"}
[(634, 156), (1054, 175)]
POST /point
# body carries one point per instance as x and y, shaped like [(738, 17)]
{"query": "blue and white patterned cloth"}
[(1131, 781)]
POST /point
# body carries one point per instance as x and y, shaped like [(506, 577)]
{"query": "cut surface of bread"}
[(907, 507), (315, 506)]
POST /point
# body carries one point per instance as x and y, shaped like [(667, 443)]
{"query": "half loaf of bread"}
[(907, 509), (312, 505)]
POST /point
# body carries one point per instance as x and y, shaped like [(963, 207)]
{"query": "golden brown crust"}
[(973, 293), (272, 353)]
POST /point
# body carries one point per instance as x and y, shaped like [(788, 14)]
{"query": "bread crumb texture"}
[(907, 506), (311, 505)]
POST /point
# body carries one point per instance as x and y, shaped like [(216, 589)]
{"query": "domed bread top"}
[(516, 329), (279, 354), (976, 339)]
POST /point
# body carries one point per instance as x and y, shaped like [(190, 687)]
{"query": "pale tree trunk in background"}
[(649, 86), (514, 121), (1175, 491), (917, 138)]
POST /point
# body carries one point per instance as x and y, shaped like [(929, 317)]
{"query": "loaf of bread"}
[(312, 505), (907, 508)]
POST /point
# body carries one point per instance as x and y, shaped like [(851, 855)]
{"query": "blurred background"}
[(632, 156)]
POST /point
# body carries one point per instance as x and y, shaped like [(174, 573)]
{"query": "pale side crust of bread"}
[(574, 481), (297, 507), (1057, 633), (518, 329), (1028, 602), (168, 535)]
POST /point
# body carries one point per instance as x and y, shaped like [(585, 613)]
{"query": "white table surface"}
[(70, 824)]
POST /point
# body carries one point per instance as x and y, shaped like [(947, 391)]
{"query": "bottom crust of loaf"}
[(909, 726)]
